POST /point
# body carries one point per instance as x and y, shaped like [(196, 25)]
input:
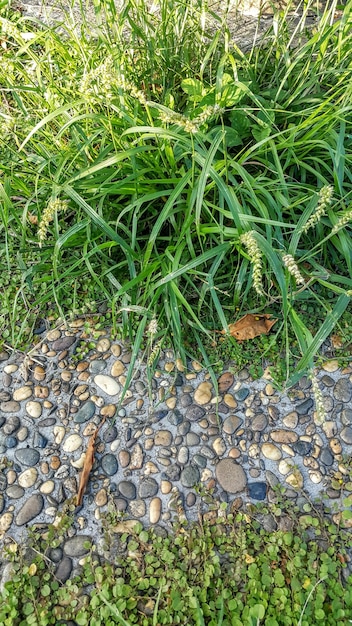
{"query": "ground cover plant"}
[(157, 169), (226, 570)]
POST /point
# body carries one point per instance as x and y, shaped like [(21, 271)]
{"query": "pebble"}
[(270, 451), (148, 487), (190, 476), (107, 384), (34, 409), (10, 406), (77, 546), (22, 393), (155, 510), (109, 464), (203, 393), (27, 456), (231, 424), (72, 443), (231, 476), (138, 508), (85, 412), (30, 509)]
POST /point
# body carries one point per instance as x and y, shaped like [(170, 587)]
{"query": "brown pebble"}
[(124, 458), (139, 404), (116, 349), (108, 411), (39, 373), (84, 376), (234, 453), (81, 367), (44, 467), (41, 392), (55, 462), (66, 375)]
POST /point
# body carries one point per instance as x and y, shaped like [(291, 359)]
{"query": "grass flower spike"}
[(292, 267), (248, 240), (54, 206), (343, 221), (320, 415), (324, 200)]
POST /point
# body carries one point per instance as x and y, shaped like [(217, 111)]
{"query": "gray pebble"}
[(47, 422), (97, 366), (175, 418), (63, 343), (109, 464), (346, 417), (346, 435), (183, 455), (11, 441), (194, 413), (64, 569), (190, 476), (27, 456), (303, 448), (192, 439), (75, 546), (327, 381), (12, 424), (120, 504), (191, 499), (127, 489), (326, 457), (15, 492), (39, 440), (259, 423), (304, 407), (184, 428), (30, 509), (231, 476), (241, 394), (200, 460), (343, 390), (148, 487), (10, 407), (137, 508), (85, 413), (55, 554), (110, 434), (207, 452), (231, 424), (173, 472)]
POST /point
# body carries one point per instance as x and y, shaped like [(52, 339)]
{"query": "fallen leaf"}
[(336, 342), (225, 381), (88, 464), (250, 326)]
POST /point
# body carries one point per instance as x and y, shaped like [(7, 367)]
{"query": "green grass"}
[(226, 571), (132, 164)]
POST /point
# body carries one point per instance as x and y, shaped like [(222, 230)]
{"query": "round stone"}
[(15, 492), (22, 393), (225, 382), (120, 504), (285, 466), (163, 438), (219, 446), (137, 456), (203, 394), (85, 412), (127, 490), (77, 546), (30, 509), (241, 394), (303, 448), (39, 440), (110, 434), (117, 369), (116, 349), (194, 413), (346, 435), (27, 456), (259, 423), (190, 476), (39, 373), (64, 569), (295, 480), (343, 390), (5, 522), (155, 510), (137, 508), (124, 458), (346, 417), (72, 443), (315, 476), (231, 424), (28, 477), (331, 366), (257, 490), (192, 439), (335, 446), (103, 344), (231, 476), (183, 455), (290, 420), (101, 498), (107, 384), (108, 411), (109, 464), (148, 487), (34, 409), (11, 425), (304, 407), (272, 452), (47, 487), (230, 401), (200, 460), (97, 366)]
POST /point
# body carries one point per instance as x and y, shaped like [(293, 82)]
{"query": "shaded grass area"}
[(224, 571), (157, 171)]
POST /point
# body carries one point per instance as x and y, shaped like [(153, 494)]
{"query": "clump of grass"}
[(170, 148)]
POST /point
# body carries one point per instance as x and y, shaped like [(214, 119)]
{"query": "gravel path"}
[(172, 447)]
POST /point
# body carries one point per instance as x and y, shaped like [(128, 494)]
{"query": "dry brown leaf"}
[(250, 326), (336, 342), (88, 464)]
